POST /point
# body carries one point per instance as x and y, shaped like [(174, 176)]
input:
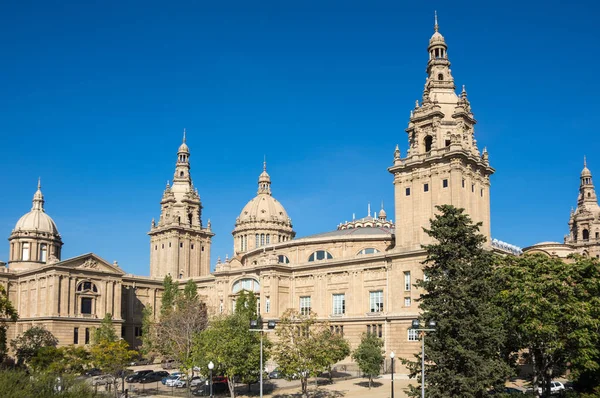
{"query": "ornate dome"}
[(264, 207), (37, 219), (183, 147), (437, 37)]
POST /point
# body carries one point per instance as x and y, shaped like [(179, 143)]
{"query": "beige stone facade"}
[(359, 276)]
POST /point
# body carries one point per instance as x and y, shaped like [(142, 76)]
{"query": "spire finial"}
[(382, 205), (265, 163), (435, 26), (584, 161), (369, 209), (39, 182), (184, 135)]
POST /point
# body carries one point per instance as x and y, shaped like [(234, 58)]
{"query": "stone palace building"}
[(359, 276)]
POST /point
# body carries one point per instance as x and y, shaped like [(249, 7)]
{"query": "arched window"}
[(257, 241), (320, 255), (248, 284), (262, 239), (87, 286), (43, 252), (25, 251), (440, 76), (181, 174), (368, 250), (428, 143), (586, 234), (283, 259), (268, 239)]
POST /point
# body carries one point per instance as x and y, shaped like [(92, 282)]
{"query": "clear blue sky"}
[(94, 96)]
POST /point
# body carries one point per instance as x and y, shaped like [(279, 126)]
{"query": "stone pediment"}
[(91, 262)]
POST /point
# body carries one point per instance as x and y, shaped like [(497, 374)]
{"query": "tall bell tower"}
[(443, 164), (179, 243)]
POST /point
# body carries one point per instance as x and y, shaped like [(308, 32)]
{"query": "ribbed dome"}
[(183, 148), (382, 213), (586, 172), (437, 38), (264, 207), (37, 220)]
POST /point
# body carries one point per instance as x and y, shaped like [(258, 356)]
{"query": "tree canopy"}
[(463, 353), (8, 314), (369, 355), (27, 344)]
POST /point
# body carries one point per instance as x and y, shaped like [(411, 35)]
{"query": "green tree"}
[(149, 346), (169, 296), (63, 360), (20, 384), (232, 347), (298, 349), (27, 344), (106, 332), (464, 353), (335, 348), (554, 313), (190, 291), (110, 353), (8, 314), (369, 355)]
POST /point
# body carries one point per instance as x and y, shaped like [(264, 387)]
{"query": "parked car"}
[(170, 379), (218, 388), (102, 380), (141, 361), (196, 380), (154, 376), (92, 372), (555, 388), (275, 374), (137, 376)]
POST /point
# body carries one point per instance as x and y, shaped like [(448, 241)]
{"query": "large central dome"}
[(263, 219)]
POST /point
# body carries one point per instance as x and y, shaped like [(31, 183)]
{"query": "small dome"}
[(183, 148), (264, 177), (586, 172), (264, 208), (37, 220), (382, 213), (437, 38)]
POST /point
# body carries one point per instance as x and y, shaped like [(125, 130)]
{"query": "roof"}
[(367, 232)]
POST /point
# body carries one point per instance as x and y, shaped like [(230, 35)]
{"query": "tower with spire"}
[(584, 227), (443, 164), (179, 243)]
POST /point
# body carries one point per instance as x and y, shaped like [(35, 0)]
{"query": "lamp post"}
[(257, 326), (211, 366), (392, 355), (416, 325)]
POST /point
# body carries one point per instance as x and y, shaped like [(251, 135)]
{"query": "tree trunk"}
[(370, 381), (231, 384), (534, 367), (330, 376)]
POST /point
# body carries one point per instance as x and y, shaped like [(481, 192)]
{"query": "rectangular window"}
[(407, 281), (425, 187), (123, 331), (25, 252), (138, 331), (305, 305), (463, 183), (76, 336), (181, 244), (407, 301), (368, 329), (267, 305), (339, 304), (472, 187), (376, 301), (482, 192), (86, 305), (202, 248), (380, 331), (192, 247), (268, 239), (87, 335), (413, 335), (407, 191), (445, 183), (257, 241)]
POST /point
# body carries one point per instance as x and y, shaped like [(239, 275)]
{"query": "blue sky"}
[(95, 95)]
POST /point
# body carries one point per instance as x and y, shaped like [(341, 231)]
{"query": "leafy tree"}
[(554, 313), (20, 384), (149, 346), (463, 354), (110, 353), (106, 332), (169, 296), (30, 342), (335, 348), (190, 291), (298, 349), (70, 359), (369, 355), (176, 331), (8, 313), (231, 346)]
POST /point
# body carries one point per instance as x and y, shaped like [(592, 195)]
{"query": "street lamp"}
[(416, 325), (211, 366), (257, 326), (392, 355)]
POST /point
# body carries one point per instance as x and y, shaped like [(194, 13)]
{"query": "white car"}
[(102, 380), (174, 378), (555, 388)]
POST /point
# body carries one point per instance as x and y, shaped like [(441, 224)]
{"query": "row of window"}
[(76, 336), (377, 330), (324, 255), (180, 246), (25, 252), (339, 303), (444, 185)]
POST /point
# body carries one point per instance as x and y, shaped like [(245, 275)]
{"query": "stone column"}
[(72, 304), (64, 296), (110, 287), (118, 293)]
